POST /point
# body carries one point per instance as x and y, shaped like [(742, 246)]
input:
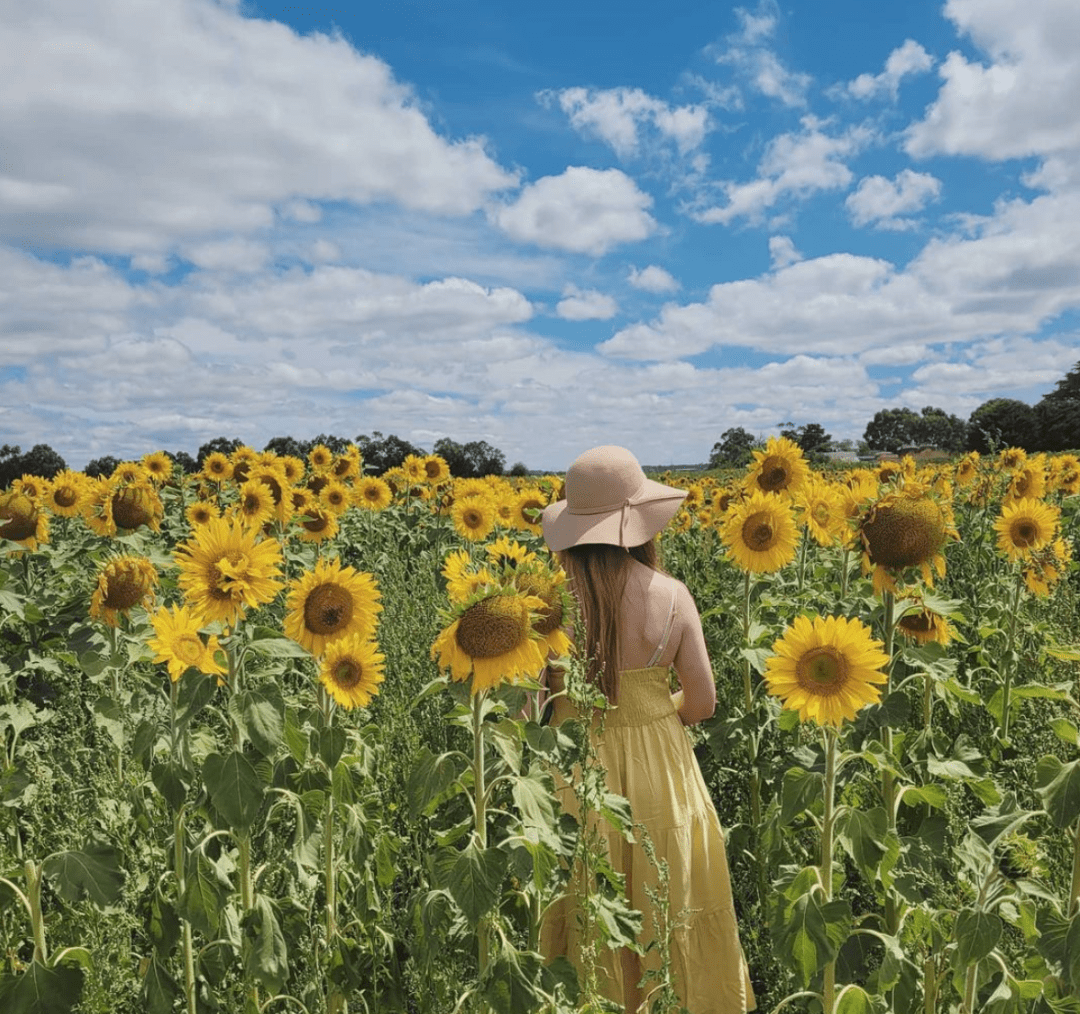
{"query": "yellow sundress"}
[(648, 758)]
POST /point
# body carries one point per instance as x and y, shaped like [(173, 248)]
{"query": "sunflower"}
[(463, 489), (97, 508), (177, 643), (243, 459), (1011, 458), (336, 497), (1028, 481), (473, 518), (922, 625), (292, 468), (123, 583), (128, 472), (905, 528), (1024, 527), (967, 468), (760, 534), (329, 603), (254, 504), (348, 464), (436, 470), (1067, 474), (136, 505), (826, 668), (1046, 567), (779, 468), (67, 493), (216, 467), (464, 578), (225, 568), (33, 486), (491, 640), (413, 467), (505, 553), (319, 526), (821, 511), (695, 496), (372, 494), (320, 458), (528, 505), (273, 477), (21, 521), (159, 466), (352, 670), (200, 513), (548, 586)]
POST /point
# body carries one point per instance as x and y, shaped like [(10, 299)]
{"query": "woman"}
[(638, 624)]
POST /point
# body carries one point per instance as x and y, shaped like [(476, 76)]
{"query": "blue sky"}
[(546, 228)]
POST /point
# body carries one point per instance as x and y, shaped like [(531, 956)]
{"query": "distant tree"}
[(843, 445), (518, 469), (470, 460), (383, 453), (811, 437), (104, 465), (285, 447), (1057, 415), (41, 460), (219, 445), (733, 450), (1002, 422), (183, 462), (936, 428), (336, 444), (891, 429)]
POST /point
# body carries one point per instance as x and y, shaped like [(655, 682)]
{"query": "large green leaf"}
[(431, 781), (265, 955), (235, 789), (260, 714), (853, 1000), (534, 796), (205, 891), (159, 989), (977, 934), (1059, 789), (863, 835), (812, 932), (475, 880), (801, 789), (93, 872), (513, 982), (41, 990)]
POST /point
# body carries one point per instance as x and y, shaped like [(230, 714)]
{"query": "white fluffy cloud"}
[(795, 165), (653, 279), (586, 304), (583, 210), (1023, 101), (910, 58), (137, 125), (618, 116), (883, 203), (748, 53)]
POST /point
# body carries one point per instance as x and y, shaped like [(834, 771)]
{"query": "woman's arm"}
[(696, 700)]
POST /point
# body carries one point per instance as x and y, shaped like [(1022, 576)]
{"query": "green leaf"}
[(476, 879), (278, 647), (205, 891), (1061, 794), (513, 982), (853, 1000), (109, 715), (168, 779), (1066, 731), (505, 736), (265, 955), (977, 934), (811, 932), (431, 781), (261, 715), (93, 872), (331, 746), (930, 795), (800, 790), (235, 789), (159, 989), (164, 924), (41, 990), (863, 836), (534, 797)]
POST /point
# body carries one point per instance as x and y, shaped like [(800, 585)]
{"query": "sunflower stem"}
[(845, 569), (336, 1000), (802, 559), (888, 781), (1074, 889), (180, 862), (1010, 644), (33, 873), (480, 824), (751, 744), (826, 868)]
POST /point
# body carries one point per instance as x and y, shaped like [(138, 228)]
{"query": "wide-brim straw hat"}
[(609, 500)]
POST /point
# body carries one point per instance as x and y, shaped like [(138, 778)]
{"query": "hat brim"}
[(651, 508)]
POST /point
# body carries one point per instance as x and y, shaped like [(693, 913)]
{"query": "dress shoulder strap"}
[(667, 628)]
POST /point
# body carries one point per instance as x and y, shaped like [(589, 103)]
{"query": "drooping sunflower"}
[(254, 504), (200, 512), (1011, 458), (21, 521), (372, 494), (1028, 481), (436, 470), (491, 640), (760, 533), (1024, 527), (216, 467), (506, 553), (123, 583), (346, 466), (905, 528), (137, 505), (272, 476), (967, 468), (159, 466), (1045, 567), (226, 568), (821, 511), (292, 468), (351, 671), (128, 472), (178, 644), (464, 578), (922, 625), (33, 486), (67, 493), (329, 603), (97, 508), (548, 585), (826, 668), (473, 518), (779, 468)]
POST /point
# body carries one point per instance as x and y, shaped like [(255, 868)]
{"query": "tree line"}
[(1052, 424)]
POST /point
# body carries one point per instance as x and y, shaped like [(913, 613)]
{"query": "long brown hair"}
[(597, 575)]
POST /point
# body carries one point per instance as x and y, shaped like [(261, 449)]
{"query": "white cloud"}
[(795, 165), (653, 279), (210, 121), (618, 116), (910, 58), (234, 254), (782, 251), (746, 51), (583, 210), (1023, 101), (882, 202), (586, 304)]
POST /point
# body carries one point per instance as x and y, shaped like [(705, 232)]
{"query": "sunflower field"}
[(270, 741)]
